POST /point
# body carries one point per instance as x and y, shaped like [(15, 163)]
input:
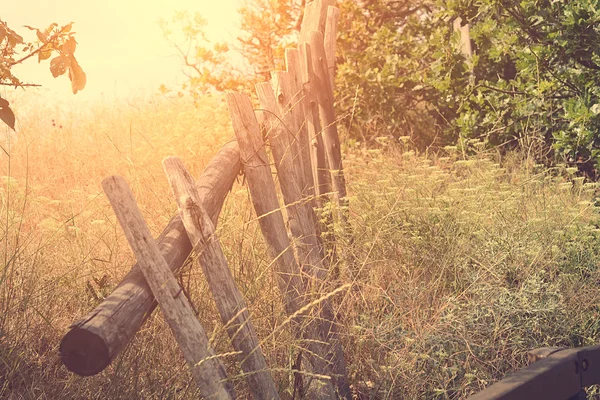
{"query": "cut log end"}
[(84, 352)]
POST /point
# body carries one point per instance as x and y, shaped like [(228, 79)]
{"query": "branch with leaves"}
[(55, 39)]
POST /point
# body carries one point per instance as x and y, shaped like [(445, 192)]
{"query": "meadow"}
[(458, 265)]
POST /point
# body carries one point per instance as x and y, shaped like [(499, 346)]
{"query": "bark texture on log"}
[(94, 341)]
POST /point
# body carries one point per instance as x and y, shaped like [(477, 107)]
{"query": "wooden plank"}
[(310, 21), (302, 226), (331, 139), (301, 218), (464, 44), (294, 67), (320, 169), (299, 106), (229, 300), (330, 38), (556, 377), (283, 154), (208, 371), (95, 340), (264, 199), (315, 17)]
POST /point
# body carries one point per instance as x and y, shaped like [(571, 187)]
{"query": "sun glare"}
[(120, 44)]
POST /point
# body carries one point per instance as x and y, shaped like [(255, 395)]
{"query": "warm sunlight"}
[(299, 199), (120, 44)]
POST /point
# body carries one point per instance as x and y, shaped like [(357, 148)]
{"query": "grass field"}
[(458, 266)]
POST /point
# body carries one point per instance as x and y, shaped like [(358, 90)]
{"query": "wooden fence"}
[(296, 111), (298, 117)]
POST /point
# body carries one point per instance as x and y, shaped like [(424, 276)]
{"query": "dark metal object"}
[(560, 374)]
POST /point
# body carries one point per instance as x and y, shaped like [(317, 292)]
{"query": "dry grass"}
[(458, 267)]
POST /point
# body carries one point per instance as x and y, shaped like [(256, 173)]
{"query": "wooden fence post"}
[(301, 218), (229, 300), (257, 169), (330, 34), (300, 107), (208, 371), (326, 347), (94, 341), (264, 198), (315, 16), (321, 175), (331, 139)]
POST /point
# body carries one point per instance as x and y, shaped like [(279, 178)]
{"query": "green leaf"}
[(6, 114), (41, 35), (68, 48), (44, 55), (59, 65), (77, 76)]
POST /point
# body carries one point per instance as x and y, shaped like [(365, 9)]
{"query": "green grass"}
[(466, 265), (458, 267)]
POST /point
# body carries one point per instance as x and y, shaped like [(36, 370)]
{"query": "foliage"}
[(532, 81), (535, 72), (208, 65), (384, 52), (15, 50), (267, 28)]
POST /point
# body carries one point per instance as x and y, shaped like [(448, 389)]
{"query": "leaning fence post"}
[(321, 176), (331, 139), (229, 300), (257, 171), (96, 339), (208, 371), (300, 110), (330, 35)]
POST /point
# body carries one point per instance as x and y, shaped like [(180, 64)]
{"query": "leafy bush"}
[(532, 81)]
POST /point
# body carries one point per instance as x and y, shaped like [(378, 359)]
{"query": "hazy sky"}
[(120, 44)]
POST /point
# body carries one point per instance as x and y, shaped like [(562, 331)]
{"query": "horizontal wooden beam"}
[(561, 375), (94, 341)]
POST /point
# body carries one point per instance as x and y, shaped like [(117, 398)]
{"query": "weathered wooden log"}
[(331, 138), (207, 369), (298, 104), (94, 341), (229, 300), (330, 37), (320, 169)]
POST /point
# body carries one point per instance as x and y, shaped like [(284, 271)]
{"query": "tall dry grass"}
[(457, 266)]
